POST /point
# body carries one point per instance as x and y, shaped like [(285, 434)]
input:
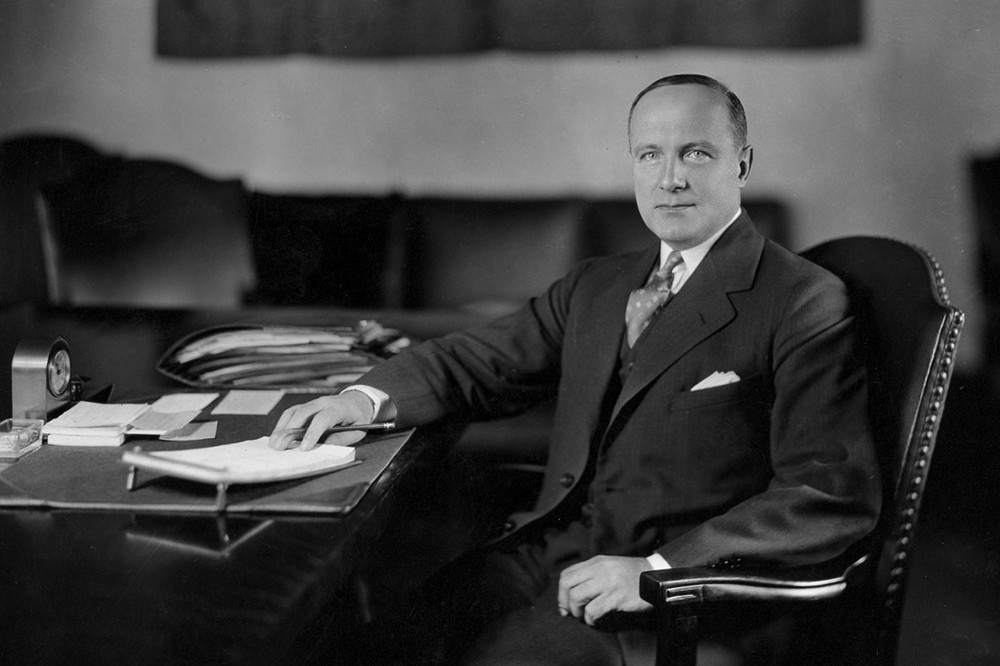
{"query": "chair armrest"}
[(675, 587)]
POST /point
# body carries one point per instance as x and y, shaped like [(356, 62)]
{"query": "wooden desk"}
[(118, 587), (109, 588)]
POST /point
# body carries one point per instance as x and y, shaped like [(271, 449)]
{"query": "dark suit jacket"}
[(778, 467)]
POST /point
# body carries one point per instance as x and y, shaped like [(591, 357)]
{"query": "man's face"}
[(686, 171)]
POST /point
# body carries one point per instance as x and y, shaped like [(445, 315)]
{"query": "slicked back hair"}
[(737, 116)]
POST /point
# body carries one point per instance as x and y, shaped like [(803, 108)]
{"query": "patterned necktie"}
[(645, 302)]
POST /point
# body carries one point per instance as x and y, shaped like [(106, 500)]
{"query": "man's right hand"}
[(347, 408)]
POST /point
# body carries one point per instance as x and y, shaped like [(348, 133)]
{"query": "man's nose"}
[(673, 177)]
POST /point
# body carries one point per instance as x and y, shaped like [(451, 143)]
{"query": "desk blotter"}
[(94, 479)]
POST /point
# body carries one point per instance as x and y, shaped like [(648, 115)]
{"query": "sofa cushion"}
[(325, 250), (488, 254)]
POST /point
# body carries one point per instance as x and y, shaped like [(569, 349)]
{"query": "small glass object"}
[(19, 437)]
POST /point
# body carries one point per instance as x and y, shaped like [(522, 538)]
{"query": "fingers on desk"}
[(345, 438), (316, 416)]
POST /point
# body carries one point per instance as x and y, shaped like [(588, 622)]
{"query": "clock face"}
[(58, 372)]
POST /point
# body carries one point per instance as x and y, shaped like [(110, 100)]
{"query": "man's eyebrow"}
[(645, 146), (701, 145)]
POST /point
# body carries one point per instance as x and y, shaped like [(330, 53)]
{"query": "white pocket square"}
[(716, 379)]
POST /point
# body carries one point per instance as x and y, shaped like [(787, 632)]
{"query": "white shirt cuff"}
[(657, 562), (378, 398)]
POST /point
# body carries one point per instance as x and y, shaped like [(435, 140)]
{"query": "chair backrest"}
[(911, 332), (27, 163), (142, 232)]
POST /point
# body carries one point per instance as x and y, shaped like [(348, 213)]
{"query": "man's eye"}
[(647, 156), (697, 154)]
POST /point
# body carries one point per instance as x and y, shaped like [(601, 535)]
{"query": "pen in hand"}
[(382, 427)]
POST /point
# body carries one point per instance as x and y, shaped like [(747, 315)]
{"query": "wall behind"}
[(873, 139)]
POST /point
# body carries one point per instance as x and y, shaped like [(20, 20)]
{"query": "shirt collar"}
[(693, 256)]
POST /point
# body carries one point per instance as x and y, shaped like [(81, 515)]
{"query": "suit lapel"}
[(601, 338), (701, 308)]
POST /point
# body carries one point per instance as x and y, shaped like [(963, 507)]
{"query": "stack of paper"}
[(308, 358), (170, 418), (92, 424)]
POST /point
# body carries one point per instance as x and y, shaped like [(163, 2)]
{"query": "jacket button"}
[(566, 480), (510, 525)]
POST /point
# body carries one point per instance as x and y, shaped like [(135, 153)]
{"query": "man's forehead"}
[(688, 109)]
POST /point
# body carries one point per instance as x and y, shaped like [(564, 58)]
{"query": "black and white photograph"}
[(500, 332)]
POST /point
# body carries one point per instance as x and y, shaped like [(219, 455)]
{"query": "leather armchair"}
[(146, 232), (28, 163), (911, 332)]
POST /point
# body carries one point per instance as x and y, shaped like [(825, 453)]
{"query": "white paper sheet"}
[(152, 422), (248, 402), (183, 402), (192, 432), (252, 461)]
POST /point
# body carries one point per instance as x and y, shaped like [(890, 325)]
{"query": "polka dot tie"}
[(644, 303)]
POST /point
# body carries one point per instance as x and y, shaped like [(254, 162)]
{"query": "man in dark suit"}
[(711, 403)]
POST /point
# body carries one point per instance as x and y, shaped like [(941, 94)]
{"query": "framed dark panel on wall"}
[(400, 28)]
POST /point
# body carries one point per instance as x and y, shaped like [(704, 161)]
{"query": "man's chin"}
[(676, 236), (681, 231)]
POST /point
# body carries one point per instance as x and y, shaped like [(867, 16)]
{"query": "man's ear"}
[(746, 161)]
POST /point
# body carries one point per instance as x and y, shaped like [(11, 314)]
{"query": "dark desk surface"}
[(118, 587)]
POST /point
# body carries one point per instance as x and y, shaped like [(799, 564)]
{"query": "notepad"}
[(252, 461), (95, 415), (92, 424), (99, 424)]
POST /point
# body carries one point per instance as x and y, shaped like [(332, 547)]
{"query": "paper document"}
[(252, 461), (278, 337), (248, 402), (152, 422), (183, 402), (95, 415), (192, 432)]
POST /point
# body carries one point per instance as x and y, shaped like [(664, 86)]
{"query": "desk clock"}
[(40, 378)]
